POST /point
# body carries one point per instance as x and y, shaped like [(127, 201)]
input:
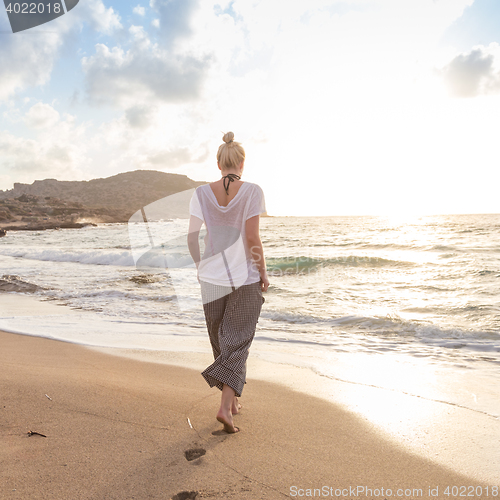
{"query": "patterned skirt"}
[(231, 317)]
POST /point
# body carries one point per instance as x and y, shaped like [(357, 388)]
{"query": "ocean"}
[(408, 305)]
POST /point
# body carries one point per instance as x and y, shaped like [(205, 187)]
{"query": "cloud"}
[(41, 115), (146, 137), (101, 18), (25, 157), (174, 18), (477, 25), (139, 10), (144, 70), (176, 158), (59, 148), (139, 116), (27, 60), (145, 73), (473, 73)]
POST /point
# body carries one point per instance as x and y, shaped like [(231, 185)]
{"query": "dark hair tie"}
[(230, 178)]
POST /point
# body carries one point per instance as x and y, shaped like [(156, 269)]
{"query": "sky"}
[(344, 107)]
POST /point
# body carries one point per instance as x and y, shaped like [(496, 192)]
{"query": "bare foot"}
[(236, 406), (226, 419)]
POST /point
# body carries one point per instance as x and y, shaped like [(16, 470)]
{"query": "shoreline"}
[(118, 427), (46, 226)]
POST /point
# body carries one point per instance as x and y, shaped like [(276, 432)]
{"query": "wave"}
[(444, 248), (157, 258), (295, 318), (393, 324), (96, 257), (389, 325), (117, 295), (300, 264), (487, 272)]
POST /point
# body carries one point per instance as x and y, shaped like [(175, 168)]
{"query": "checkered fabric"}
[(231, 318)]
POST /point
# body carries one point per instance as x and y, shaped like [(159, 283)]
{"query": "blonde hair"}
[(230, 154)]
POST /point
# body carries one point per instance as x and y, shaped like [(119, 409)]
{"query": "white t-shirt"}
[(226, 260)]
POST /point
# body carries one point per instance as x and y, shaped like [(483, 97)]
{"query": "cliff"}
[(51, 203)]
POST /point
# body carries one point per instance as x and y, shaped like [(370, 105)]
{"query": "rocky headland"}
[(51, 204)]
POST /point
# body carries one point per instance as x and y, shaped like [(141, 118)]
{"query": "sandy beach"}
[(120, 428)]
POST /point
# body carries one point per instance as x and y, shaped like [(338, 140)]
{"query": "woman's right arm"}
[(256, 250), (192, 239)]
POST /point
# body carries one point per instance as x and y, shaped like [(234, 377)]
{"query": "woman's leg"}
[(214, 305), (236, 330), (214, 311), (236, 333), (236, 406), (224, 415)]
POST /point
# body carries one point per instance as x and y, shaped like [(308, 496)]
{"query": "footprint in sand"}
[(185, 495), (220, 432), (193, 454)]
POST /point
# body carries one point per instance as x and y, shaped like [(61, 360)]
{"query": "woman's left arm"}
[(256, 250)]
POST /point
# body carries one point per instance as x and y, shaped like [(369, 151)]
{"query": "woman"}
[(232, 272)]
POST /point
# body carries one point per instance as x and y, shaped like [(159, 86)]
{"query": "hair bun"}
[(228, 137), (230, 154)]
